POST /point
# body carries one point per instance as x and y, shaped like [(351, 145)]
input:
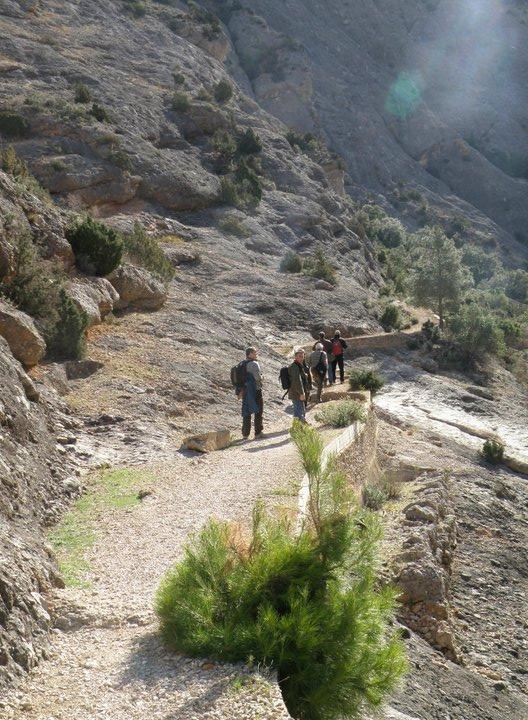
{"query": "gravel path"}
[(107, 662)]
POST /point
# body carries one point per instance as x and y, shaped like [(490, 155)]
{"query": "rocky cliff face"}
[(429, 93), (35, 484)]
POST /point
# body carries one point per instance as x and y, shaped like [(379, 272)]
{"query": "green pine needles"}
[(306, 603)]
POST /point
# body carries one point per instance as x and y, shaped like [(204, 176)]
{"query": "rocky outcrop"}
[(209, 441), (32, 493), (95, 296), (137, 288), (21, 334), (422, 569)]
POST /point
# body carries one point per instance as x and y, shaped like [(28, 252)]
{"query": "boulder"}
[(323, 285), (29, 387), (420, 513), (95, 296), (137, 288), (23, 338), (421, 581), (516, 464), (210, 441), (180, 255)]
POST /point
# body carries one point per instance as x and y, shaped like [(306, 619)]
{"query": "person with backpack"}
[(318, 368), (247, 378), (327, 347), (300, 385), (338, 349)]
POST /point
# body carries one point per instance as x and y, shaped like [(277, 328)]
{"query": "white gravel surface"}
[(107, 662)]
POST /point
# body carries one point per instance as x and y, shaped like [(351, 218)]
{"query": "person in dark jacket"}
[(338, 351), (300, 385), (251, 396)]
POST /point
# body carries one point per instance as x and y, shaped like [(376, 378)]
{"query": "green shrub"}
[(512, 329), (137, 8), (233, 226), (13, 125), (68, 339), (179, 78), (223, 91), (180, 102), (318, 266), (431, 332), (365, 380), (342, 414), (249, 143), (306, 143), (306, 604), (517, 285), (291, 262), (99, 113), (97, 247), (35, 286), (224, 147), (391, 318), (32, 284), (144, 250), (82, 93), (12, 164), (390, 232), (228, 192), (482, 265), (391, 488), (493, 452), (373, 496), (121, 158), (476, 333)]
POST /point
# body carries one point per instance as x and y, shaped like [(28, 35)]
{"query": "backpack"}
[(320, 368), (239, 375), (284, 377), (337, 348)]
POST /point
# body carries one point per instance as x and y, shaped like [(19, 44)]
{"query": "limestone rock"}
[(29, 386), (420, 513), (419, 582), (208, 442), (23, 338), (181, 255), (516, 464), (137, 288), (95, 296), (323, 285)]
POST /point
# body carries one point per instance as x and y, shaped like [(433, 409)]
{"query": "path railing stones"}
[(338, 445)]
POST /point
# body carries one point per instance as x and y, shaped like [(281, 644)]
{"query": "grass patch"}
[(342, 414), (171, 240), (146, 251), (76, 533)]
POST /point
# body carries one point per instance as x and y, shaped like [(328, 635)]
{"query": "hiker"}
[(248, 384), (338, 348), (327, 347), (300, 385), (318, 367)]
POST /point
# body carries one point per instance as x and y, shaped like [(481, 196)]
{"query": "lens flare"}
[(404, 95)]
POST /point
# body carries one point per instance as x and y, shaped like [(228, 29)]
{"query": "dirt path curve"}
[(110, 664)]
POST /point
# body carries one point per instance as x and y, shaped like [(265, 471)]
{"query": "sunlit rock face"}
[(428, 92)]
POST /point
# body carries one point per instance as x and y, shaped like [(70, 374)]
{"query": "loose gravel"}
[(106, 660)]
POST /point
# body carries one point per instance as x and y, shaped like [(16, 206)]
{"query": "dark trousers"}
[(259, 418), (339, 360)]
